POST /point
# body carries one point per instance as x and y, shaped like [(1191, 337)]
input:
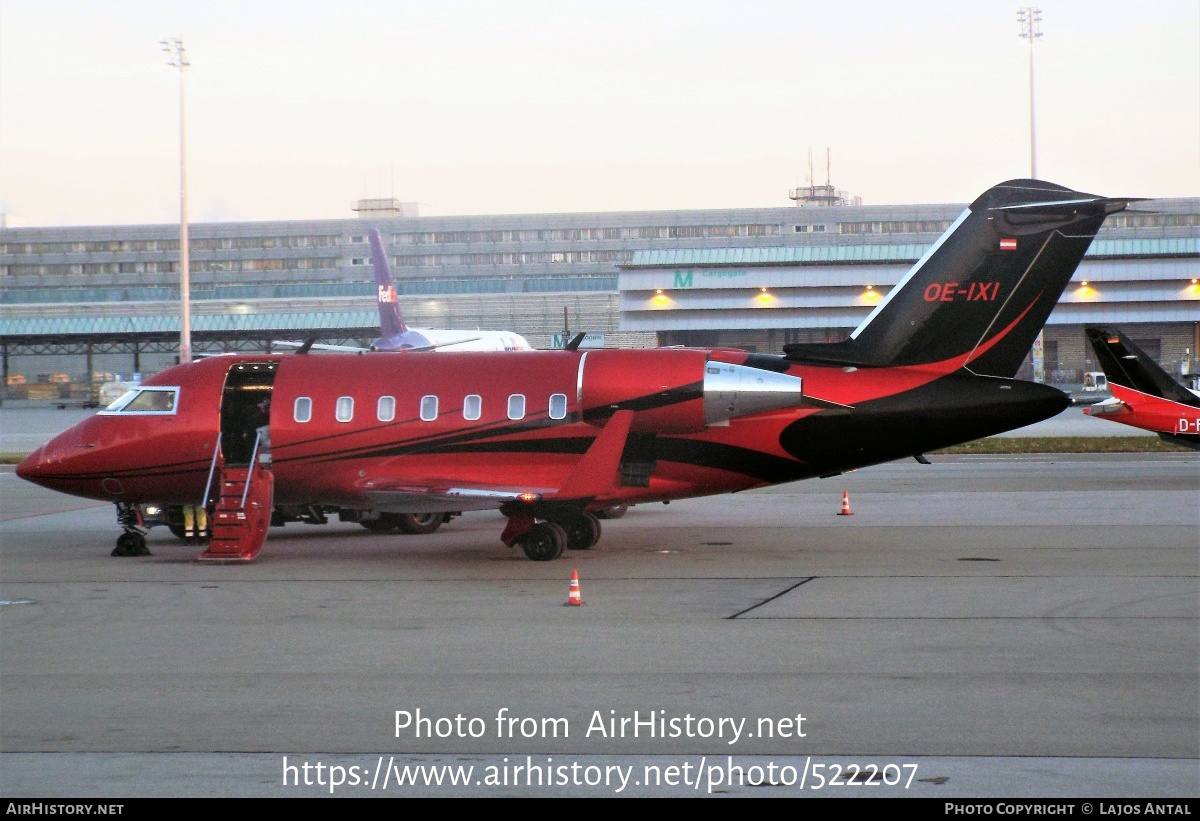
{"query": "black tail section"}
[(1128, 365), (983, 291)]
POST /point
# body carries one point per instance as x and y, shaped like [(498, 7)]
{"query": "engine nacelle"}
[(676, 390), (664, 387)]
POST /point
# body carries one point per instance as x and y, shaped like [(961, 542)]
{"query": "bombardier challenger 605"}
[(549, 437)]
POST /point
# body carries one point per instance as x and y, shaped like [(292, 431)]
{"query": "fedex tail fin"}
[(1127, 365), (982, 292), (391, 321)]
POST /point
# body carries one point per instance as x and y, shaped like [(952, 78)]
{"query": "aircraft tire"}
[(544, 542), (583, 530), (131, 544), (380, 525), (614, 512), (178, 532), (420, 524)]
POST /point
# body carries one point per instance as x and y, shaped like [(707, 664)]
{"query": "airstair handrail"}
[(250, 472), (212, 469)]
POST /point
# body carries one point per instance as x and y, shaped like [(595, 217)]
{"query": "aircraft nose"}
[(32, 467), (45, 466)]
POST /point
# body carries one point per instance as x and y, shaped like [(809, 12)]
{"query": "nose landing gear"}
[(133, 541)]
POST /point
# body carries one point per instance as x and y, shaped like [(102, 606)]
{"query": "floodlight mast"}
[(178, 59), (1030, 19)]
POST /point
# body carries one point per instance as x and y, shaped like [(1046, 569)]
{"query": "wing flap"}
[(437, 496)]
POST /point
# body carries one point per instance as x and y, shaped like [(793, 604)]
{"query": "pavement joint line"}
[(771, 598)]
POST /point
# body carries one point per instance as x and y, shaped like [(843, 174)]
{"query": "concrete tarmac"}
[(1006, 626)]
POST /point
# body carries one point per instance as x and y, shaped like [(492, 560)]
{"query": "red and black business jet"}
[(1144, 395), (548, 437)]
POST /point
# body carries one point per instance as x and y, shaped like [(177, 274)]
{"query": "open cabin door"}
[(241, 511), (246, 409)]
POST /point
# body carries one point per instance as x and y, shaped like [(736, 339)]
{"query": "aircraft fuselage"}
[(342, 424)]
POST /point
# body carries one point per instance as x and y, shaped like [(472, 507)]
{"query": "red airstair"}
[(242, 512)]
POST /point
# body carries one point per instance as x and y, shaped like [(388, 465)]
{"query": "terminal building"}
[(80, 303)]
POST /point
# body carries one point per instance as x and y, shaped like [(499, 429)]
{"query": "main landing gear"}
[(546, 540), (543, 542), (133, 541), (582, 529)]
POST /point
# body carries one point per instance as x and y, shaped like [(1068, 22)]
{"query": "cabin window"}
[(558, 406), (428, 408), (345, 408), (302, 409), (472, 407), (385, 411), (516, 406)]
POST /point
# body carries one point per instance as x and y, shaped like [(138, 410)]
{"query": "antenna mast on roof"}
[(823, 195)]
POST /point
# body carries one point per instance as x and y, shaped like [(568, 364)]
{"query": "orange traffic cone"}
[(845, 511), (574, 597)]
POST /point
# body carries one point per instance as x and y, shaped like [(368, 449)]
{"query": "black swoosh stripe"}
[(653, 401)]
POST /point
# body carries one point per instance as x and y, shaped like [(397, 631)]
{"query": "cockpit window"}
[(159, 401), (121, 400)]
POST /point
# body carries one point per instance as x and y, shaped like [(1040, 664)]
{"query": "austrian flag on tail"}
[(1008, 244)]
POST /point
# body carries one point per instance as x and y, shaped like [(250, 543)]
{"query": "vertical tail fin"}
[(1127, 365), (391, 320), (982, 292)]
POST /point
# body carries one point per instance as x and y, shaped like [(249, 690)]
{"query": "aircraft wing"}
[(594, 476), (435, 495), (318, 346)]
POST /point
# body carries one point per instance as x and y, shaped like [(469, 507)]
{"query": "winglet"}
[(596, 473)]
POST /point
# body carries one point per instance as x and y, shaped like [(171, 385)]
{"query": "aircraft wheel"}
[(131, 544), (178, 532), (419, 524), (614, 512), (380, 525), (583, 530), (544, 542)]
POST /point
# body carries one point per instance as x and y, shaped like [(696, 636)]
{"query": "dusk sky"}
[(296, 109)]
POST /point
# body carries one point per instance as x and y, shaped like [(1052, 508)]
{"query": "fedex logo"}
[(956, 292), (387, 293)]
